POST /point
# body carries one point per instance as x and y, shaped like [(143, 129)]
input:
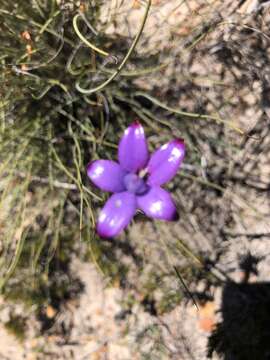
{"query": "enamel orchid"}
[(136, 181)]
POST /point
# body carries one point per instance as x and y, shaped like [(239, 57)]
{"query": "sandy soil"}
[(99, 325)]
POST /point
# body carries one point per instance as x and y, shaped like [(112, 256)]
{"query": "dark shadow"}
[(244, 332), (63, 286), (126, 248)]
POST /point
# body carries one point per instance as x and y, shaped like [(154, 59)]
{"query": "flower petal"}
[(133, 151), (165, 162), (116, 214), (107, 175), (158, 204)]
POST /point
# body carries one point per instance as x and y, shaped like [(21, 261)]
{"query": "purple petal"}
[(158, 204), (133, 151), (116, 214), (165, 162), (107, 175)]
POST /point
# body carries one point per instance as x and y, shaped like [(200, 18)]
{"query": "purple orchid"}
[(136, 181)]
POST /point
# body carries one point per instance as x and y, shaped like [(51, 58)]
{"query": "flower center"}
[(135, 184)]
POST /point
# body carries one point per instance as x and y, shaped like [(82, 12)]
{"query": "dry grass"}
[(199, 71)]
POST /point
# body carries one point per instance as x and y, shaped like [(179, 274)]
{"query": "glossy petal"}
[(165, 162), (133, 151), (107, 175), (158, 204), (116, 214)]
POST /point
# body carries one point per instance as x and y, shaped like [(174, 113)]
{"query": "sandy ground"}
[(97, 324), (99, 330)]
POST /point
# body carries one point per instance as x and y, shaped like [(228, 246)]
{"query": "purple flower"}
[(136, 181)]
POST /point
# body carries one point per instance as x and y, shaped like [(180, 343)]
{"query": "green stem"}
[(123, 63), (93, 47), (189, 114)]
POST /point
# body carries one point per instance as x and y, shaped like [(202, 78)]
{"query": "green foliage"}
[(17, 326), (48, 133)]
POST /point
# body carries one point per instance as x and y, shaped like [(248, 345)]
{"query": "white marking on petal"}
[(156, 207), (98, 171), (164, 147), (102, 217), (118, 203), (139, 131), (112, 222), (176, 153)]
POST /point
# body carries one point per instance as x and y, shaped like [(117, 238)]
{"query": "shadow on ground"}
[(244, 331)]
